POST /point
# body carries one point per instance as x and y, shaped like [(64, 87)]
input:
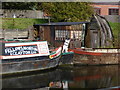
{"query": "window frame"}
[(113, 11), (97, 10)]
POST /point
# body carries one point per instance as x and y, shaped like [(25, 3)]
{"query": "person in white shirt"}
[(65, 46)]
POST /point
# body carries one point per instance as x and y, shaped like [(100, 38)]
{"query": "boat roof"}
[(17, 41), (61, 23)]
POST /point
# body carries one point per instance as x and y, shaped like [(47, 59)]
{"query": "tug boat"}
[(19, 57)]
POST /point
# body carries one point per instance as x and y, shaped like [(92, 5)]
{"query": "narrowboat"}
[(92, 41), (19, 57), (97, 44), (24, 56), (96, 56)]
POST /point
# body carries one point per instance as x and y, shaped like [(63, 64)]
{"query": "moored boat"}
[(97, 42), (97, 56), (27, 56)]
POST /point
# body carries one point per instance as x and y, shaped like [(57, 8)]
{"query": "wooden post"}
[(2, 48), (49, 19), (3, 33)]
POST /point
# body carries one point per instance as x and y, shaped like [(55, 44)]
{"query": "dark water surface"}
[(76, 76)]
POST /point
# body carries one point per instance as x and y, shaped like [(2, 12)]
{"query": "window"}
[(113, 11), (73, 34), (61, 34), (76, 34)]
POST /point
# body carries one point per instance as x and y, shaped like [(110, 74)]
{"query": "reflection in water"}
[(77, 77)]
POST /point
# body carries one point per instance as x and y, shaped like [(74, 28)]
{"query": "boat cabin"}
[(94, 34), (56, 33)]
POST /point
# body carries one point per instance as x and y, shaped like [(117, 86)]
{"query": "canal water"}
[(74, 77)]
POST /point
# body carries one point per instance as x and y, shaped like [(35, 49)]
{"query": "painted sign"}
[(21, 50), (26, 49)]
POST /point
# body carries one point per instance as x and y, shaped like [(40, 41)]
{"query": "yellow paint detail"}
[(50, 57)]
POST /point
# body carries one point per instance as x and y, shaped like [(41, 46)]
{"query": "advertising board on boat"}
[(27, 49)]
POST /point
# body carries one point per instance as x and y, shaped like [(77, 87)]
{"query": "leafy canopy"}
[(20, 5), (67, 11), (59, 11)]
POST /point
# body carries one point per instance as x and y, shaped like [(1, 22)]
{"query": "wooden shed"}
[(56, 33)]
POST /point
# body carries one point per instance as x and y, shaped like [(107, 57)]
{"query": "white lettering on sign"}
[(26, 49), (21, 50)]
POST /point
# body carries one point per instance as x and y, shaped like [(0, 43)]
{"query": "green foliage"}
[(20, 5), (20, 23), (67, 11), (59, 11), (115, 28), (116, 31)]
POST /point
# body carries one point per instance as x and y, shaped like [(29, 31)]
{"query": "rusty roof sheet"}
[(61, 23)]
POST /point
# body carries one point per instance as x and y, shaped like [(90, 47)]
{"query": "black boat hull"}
[(27, 66)]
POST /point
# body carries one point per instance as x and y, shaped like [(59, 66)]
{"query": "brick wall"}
[(104, 11), (105, 8)]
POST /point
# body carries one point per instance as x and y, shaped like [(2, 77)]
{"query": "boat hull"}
[(67, 58), (22, 57), (93, 57), (27, 66)]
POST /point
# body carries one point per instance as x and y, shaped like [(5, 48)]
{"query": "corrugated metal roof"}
[(61, 23)]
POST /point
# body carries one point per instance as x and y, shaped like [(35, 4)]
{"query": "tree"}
[(67, 11), (20, 5)]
